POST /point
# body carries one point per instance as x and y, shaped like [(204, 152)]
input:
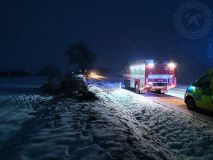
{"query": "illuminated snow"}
[(120, 125)]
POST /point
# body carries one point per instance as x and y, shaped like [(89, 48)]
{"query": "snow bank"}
[(181, 136), (120, 125)]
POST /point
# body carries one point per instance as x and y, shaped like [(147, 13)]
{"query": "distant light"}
[(94, 75), (171, 65)]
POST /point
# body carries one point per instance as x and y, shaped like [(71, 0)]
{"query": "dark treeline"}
[(80, 57), (47, 70), (14, 73)]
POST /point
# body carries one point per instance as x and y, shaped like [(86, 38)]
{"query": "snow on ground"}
[(182, 136), (14, 110), (120, 125)]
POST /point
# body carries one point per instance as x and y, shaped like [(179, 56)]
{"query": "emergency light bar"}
[(150, 65), (137, 67)]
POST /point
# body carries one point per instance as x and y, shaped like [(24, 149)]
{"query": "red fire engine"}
[(150, 75)]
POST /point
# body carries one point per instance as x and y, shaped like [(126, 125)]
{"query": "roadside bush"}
[(88, 96), (51, 86), (69, 86)]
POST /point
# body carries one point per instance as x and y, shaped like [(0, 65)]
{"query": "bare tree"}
[(80, 55)]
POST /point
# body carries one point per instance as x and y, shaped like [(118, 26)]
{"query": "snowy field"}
[(20, 83), (120, 125)]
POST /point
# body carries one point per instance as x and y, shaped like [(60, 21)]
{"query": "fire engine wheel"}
[(190, 103)]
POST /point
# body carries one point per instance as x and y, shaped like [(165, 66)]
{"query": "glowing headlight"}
[(171, 65)]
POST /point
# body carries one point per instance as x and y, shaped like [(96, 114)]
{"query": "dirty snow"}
[(120, 125)]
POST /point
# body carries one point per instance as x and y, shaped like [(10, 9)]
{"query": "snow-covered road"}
[(178, 91), (120, 125), (169, 133)]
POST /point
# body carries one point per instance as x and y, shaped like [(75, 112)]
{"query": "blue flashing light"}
[(191, 89)]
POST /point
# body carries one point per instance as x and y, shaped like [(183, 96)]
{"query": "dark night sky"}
[(36, 32)]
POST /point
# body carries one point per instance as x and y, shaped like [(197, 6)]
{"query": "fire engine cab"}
[(150, 75)]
